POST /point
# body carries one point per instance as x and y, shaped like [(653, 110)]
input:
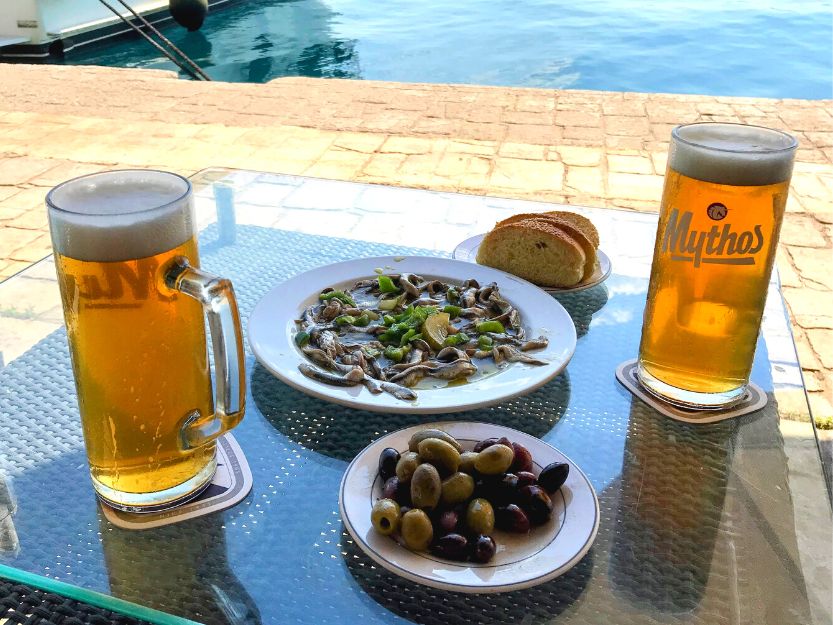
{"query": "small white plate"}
[(521, 561), (467, 252), (272, 328)]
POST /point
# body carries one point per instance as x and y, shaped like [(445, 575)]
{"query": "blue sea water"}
[(776, 48)]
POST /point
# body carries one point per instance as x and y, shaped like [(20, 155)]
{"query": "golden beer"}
[(134, 394), (723, 202), (137, 342)]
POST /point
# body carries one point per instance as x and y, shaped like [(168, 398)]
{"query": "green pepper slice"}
[(386, 285), (453, 311), (339, 295), (490, 326)]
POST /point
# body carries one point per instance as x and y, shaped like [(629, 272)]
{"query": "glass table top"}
[(725, 523)]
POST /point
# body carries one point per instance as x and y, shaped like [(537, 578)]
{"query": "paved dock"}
[(576, 147)]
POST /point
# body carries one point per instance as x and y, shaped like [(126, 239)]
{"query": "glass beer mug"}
[(725, 191), (133, 296)]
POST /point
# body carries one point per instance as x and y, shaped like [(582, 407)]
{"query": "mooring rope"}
[(185, 64)]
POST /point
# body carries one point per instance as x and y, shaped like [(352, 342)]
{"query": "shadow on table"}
[(182, 569), (582, 305), (672, 491), (342, 433), (696, 534), (422, 604)]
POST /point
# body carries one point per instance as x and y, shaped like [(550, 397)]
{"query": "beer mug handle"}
[(217, 298)]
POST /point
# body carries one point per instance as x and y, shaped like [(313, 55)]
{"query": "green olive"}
[(413, 444), (408, 462), (467, 459), (480, 517), (417, 531), (493, 460), (385, 516), (439, 453), (457, 488), (426, 487)]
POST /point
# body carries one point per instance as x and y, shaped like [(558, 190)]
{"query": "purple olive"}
[(536, 503), (447, 522), (451, 546), (522, 460), (391, 488), (525, 478), (397, 490), (483, 549), (512, 519), (488, 442), (553, 476), (387, 462)]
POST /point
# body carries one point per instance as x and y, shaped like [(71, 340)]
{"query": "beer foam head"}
[(732, 154), (120, 215)]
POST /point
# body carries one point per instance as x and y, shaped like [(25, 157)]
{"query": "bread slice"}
[(535, 250), (581, 222), (568, 228), (579, 237), (578, 221)]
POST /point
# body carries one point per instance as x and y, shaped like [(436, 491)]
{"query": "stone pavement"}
[(576, 147)]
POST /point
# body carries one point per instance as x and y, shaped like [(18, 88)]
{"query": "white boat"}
[(40, 28)]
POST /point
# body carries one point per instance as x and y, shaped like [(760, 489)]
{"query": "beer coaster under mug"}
[(754, 399), (231, 483)]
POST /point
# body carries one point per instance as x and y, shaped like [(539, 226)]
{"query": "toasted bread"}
[(578, 221), (581, 222), (568, 228), (535, 250)]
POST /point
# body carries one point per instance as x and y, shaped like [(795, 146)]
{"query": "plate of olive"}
[(469, 507)]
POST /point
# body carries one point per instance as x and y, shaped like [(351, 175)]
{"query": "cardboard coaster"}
[(231, 483), (754, 399)]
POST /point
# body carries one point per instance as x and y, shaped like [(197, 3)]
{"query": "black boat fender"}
[(189, 13)]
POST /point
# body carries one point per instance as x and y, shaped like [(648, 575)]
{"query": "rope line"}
[(185, 64)]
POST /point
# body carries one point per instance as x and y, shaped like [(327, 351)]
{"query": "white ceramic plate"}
[(521, 561), (467, 252), (272, 328)]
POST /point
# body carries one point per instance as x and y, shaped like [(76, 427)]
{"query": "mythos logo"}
[(718, 245)]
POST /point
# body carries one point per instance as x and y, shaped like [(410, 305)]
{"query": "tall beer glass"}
[(133, 297), (725, 190)]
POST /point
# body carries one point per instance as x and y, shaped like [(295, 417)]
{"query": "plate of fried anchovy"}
[(411, 334)]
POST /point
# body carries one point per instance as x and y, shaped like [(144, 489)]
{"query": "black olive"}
[(387, 462), (483, 549), (553, 476), (451, 546), (500, 490), (512, 519), (536, 503)]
